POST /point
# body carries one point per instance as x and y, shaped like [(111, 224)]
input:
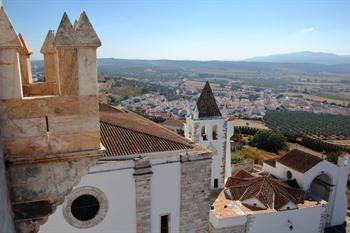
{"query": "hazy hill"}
[(242, 69), (305, 57)]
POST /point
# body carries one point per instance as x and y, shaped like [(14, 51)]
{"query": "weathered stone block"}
[(22, 128), (62, 143), (68, 71), (10, 79), (74, 124), (87, 71), (26, 146), (26, 108)]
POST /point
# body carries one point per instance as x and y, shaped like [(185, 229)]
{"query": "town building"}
[(298, 192)]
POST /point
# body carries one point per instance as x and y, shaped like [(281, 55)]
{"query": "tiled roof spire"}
[(206, 103)]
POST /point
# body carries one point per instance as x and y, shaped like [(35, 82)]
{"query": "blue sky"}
[(189, 29)]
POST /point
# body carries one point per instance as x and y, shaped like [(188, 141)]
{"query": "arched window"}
[(215, 132), (204, 133)]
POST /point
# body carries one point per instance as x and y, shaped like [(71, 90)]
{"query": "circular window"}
[(85, 207), (289, 175)]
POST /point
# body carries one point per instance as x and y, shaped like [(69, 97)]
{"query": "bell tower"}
[(208, 126)]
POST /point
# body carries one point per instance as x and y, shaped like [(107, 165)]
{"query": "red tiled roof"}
[(270, 191), (206, 103), (126, 133), (172, 122), (299, 160)]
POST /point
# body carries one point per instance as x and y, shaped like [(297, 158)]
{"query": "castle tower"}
[(51, 135), (210, 128)]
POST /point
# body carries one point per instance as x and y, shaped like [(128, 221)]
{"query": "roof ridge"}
[(144, 133)]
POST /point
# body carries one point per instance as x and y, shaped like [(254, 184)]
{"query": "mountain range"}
[(304, 57)]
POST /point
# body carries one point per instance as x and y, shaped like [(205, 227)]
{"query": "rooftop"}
[(299, 160), (270, 191), (126, 133)]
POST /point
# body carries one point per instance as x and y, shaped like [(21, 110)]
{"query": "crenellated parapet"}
[(50, 131)]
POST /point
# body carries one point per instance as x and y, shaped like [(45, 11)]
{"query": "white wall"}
[(305, 220), (165, 194), (117, 182), (216, 146), (338, 174)]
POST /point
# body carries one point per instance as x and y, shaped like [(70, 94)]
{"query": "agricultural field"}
[(321, 126), (250, 123), (330, 98)]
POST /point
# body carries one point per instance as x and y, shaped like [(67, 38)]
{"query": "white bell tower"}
[(207, 126)]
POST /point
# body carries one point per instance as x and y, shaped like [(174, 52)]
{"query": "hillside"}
[(304, 57)]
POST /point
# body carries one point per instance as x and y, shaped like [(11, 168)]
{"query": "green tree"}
[(270, 141)]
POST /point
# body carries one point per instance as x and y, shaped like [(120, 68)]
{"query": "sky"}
[(193, 29)]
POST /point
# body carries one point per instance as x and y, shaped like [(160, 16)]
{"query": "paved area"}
[(340, 229)]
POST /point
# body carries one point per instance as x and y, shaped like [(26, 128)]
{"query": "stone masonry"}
[(6, 222), (142, 176), (50, 132), (195, 191)]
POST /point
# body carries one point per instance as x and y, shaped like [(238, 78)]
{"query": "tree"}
[(270, 141)]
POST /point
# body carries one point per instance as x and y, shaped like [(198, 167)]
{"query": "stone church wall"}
[(195, 191), (6, 224)]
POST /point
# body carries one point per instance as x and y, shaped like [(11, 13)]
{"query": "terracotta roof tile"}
[(126, 133), (299, 160), (206, 103), (270, 191), (172, 122)]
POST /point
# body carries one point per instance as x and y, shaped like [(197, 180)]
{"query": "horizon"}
[(193, 30)]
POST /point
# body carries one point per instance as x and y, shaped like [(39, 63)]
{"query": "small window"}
[(289, 175), (204, 134), (85, 207), (216, 183), (164, 224), (215, 132)]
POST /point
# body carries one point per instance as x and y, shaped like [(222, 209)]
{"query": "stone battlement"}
[(50, 131)]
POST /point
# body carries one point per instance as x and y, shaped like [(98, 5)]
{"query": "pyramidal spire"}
[(86, 34), (206, 103), (75, 24), (25, 49), (8, 35), (48, 46), (65, 33)]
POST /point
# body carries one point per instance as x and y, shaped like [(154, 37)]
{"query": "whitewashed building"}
[(298, 192)]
